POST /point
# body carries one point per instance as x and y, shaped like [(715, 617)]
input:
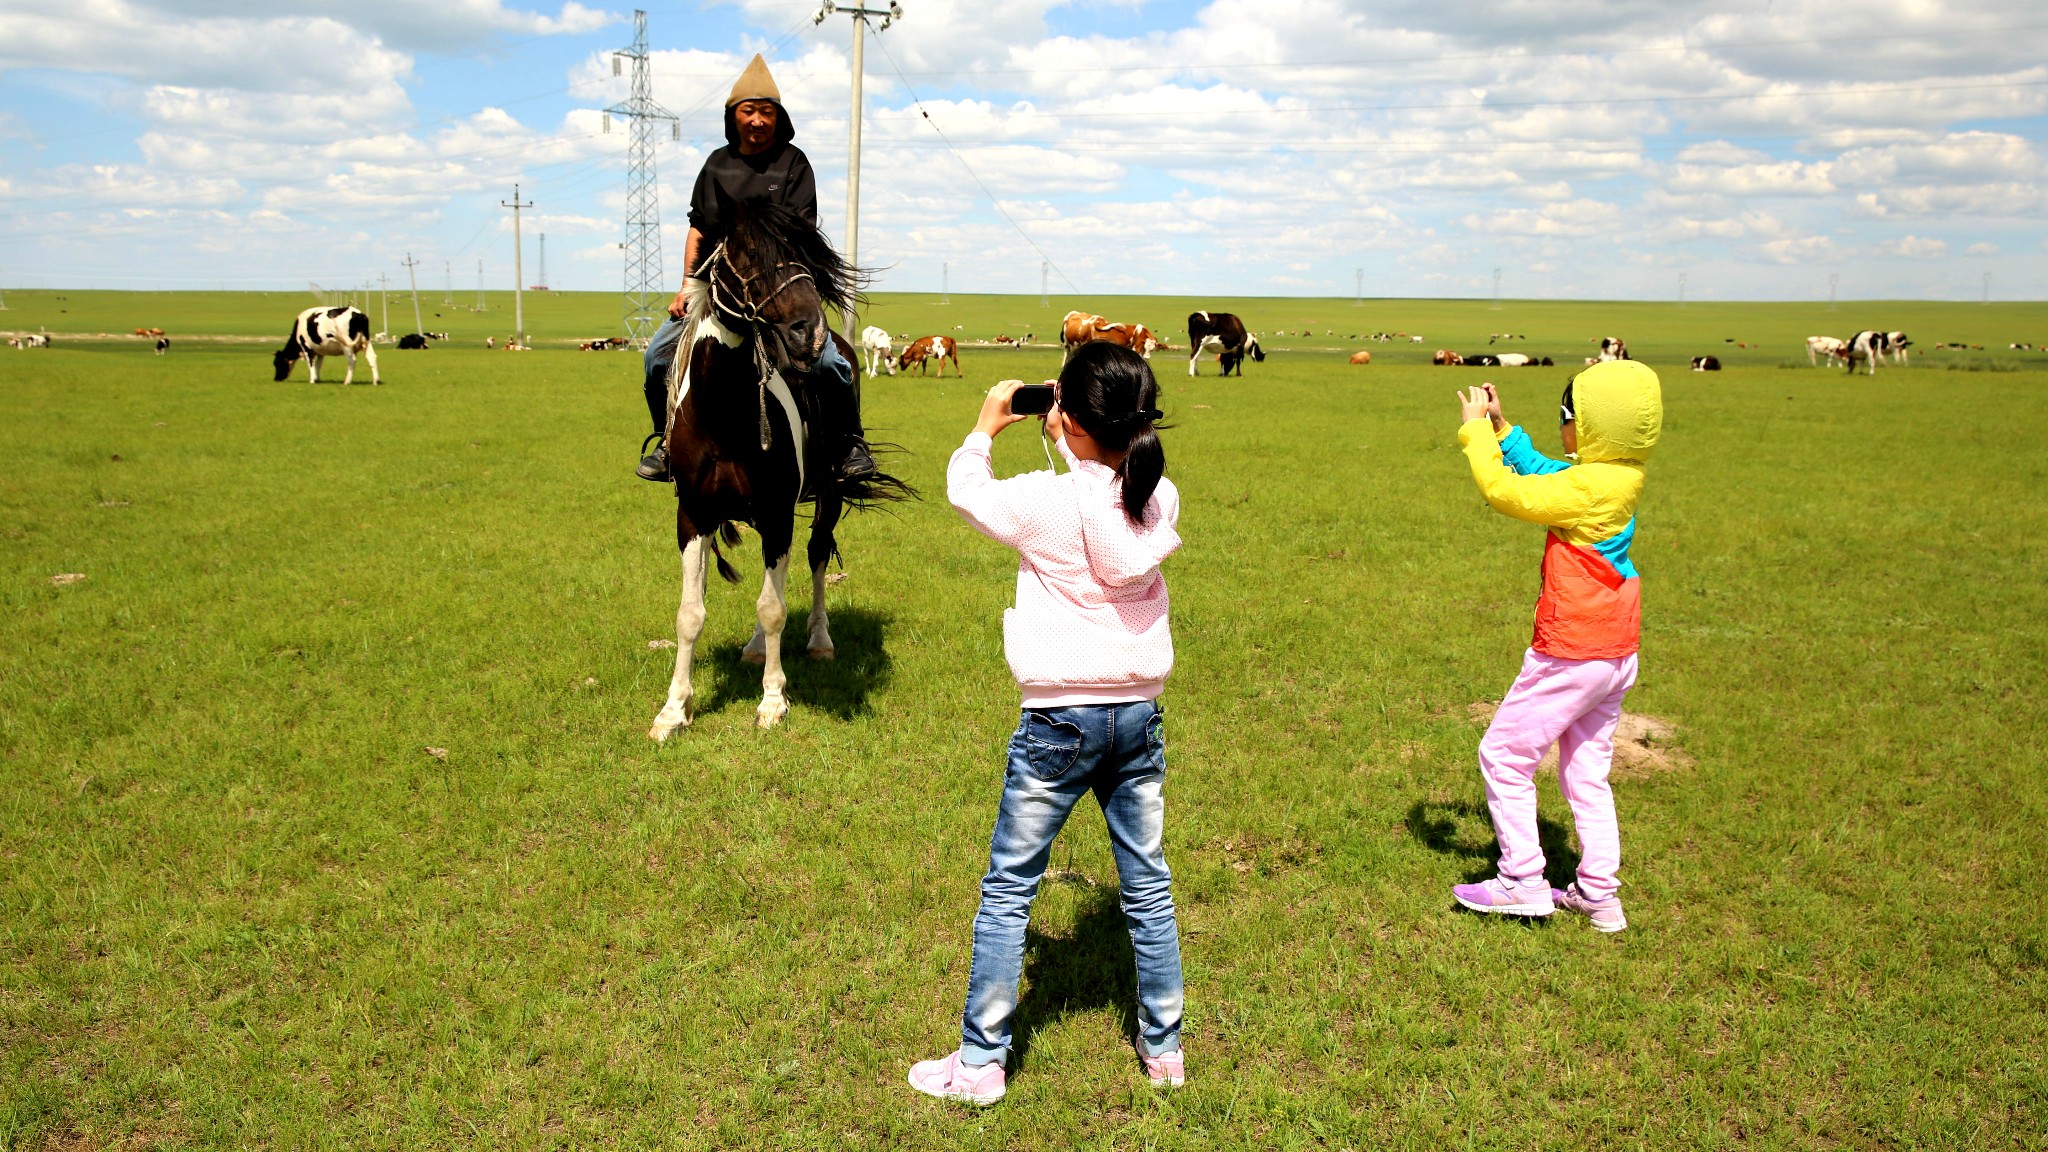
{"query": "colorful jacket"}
[(1591, 604), (1090, 625)]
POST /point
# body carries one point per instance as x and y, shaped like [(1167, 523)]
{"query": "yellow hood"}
[(1619, 407)]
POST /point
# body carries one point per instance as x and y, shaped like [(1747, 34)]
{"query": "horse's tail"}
[(728, 533), (876, 488)]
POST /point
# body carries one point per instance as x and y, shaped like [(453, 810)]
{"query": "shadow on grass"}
[(839, 687), (1463, 828), (1093, 968)]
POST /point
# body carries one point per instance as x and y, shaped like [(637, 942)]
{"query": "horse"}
[(738, 443)]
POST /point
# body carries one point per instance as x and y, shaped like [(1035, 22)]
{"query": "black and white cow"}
[(163, 345), (1898, 344), (1869, 347), (323, 332), (1222, 334), (1706, 364)]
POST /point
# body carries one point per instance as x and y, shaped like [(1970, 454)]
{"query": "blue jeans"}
[(833, 367), (1057, 755)]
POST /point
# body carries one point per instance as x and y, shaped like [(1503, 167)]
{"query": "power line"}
[(993, 202)]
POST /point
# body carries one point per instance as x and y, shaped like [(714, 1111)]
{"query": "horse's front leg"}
[(771, 611), (676, 713)]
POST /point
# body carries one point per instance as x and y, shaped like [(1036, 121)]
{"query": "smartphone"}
[(1031, 400)]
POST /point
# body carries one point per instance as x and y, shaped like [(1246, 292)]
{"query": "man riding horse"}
[(757, 162)]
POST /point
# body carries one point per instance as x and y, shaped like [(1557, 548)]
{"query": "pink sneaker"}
[(1605, 914), (1504, 897), (1166, 1070), (949, 1079)]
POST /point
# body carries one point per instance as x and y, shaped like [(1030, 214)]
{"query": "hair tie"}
[(1151, 415)]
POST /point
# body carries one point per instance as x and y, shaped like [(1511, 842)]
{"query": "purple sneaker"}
[(949, 1079), (1605, 914), (1505, 897)]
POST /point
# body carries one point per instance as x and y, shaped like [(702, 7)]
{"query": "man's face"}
[(756, 120)]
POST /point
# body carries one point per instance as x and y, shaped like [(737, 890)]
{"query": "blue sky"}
[(1584, 149)]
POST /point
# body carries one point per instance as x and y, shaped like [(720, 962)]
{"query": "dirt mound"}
[(1643, 745)]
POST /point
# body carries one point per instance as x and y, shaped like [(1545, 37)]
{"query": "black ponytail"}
[(1109, 391)]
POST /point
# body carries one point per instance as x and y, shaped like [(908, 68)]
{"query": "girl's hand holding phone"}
[(1473, 404), (995, 409)]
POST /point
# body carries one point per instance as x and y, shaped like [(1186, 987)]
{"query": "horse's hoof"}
[(667, 723), (825, 653), (770, 713)]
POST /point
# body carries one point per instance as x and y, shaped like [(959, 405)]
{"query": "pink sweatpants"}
[(1574, 704)]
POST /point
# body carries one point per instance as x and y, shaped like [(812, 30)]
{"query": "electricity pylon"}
[(646, 292)]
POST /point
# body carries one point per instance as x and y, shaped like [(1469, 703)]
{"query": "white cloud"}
[(1911, 247), (1981, 249)]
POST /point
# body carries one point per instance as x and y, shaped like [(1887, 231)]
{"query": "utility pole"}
[(448, 293), (384, 301), (518, 267), (860, 16), (1358, 288), (480, 286), (410, 264), (1496, 289), (646, 293), (945, 283), (1834, 278), (1044, 281), (1987, 288), (1681, 289), (542, 283)]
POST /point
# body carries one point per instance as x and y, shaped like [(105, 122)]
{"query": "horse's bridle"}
[(751, 316)]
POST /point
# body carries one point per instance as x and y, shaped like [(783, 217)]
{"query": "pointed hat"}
[(754, 84)]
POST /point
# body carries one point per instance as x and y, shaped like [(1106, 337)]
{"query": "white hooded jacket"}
[(1090, 625)]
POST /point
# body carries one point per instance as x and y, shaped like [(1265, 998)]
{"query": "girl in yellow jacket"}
[(1582, 659)]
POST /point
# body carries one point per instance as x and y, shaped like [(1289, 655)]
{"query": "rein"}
[(749, 314)]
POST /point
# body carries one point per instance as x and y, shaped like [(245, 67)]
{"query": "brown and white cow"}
[(932, 348), (1446, 358), (1080, 328), (1833, 347)]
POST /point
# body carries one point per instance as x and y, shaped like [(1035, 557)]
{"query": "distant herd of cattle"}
[(322, 332)]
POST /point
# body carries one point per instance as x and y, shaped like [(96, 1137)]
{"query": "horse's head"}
[(776, 275)]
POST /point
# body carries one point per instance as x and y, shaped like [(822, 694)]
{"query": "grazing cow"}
[(1483, 360), (413, 342), (1545, 363), (1898, 343), (322, 332), (1143, 342), (35, 340), (491, 342), (1833, 347), (1445, 358), (1222, 334), (1516, 360), (149, 331), (1613, 348), (163, 345), (1415, 339), (932, 348), (1361, 357), (877, 351), (1869, 347), (1705, 364), (1079, 328)]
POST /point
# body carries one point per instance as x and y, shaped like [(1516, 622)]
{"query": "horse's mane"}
[(774, 233)]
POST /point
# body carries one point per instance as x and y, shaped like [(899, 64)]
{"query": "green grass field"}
[(241, 905)]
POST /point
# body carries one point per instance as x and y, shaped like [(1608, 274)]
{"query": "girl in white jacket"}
[(1089, 644)]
